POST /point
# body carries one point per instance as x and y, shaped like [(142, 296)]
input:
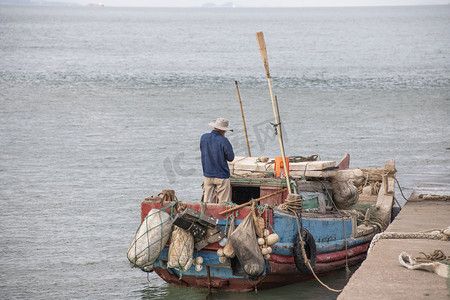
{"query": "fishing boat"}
[(334, 238), (290, 219)]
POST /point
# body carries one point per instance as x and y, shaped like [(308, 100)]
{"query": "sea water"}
[(103, 107)]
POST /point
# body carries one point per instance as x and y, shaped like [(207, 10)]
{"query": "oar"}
[(263, 51), (243, 119)]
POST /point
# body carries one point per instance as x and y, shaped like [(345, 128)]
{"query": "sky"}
[(253, 3)]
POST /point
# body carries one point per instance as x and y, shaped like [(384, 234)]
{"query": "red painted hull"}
[(280, 274), (281, 269), (325, 257)]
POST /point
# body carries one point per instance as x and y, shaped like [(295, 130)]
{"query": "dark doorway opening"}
[(242, 194)]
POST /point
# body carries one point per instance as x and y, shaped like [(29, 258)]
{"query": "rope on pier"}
[(436, 255), (443, 235), (437, 262)]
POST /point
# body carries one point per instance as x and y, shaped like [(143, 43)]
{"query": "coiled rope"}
[(291, 204), (436, 255)]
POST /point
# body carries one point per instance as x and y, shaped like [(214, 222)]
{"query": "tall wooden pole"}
[(263, 51), (243, 119)]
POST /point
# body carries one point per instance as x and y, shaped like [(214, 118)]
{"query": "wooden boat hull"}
[(277, 274), (280, 269)]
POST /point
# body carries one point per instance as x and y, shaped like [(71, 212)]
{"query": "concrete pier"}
[(381, 276)]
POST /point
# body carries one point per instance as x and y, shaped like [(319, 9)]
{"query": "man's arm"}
[(228, 150)]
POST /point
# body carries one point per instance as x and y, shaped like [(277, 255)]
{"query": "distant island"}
[(228, 4), (100, 4), (36, 3), (46, 3), (96, 4)]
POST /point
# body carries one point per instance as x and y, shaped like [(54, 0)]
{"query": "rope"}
[(396, 201), (298, 158), (305, 258), (167, 196), (291, 204), (436, 255), (226, 223), (401, 191), (294, 205), (435, 235), (261, 209)]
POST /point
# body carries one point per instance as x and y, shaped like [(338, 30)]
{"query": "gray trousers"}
[(220, 187)]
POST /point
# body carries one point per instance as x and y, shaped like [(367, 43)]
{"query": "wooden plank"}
[(314, 186), (363, 230), (385, 201), (311, 165), (367, 199), (315, 174)]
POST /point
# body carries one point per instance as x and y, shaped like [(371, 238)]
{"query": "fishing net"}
[(150, 239), (181, 250), (246, 247)]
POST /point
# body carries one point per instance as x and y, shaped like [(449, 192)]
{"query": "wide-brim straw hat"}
[(221, 123)]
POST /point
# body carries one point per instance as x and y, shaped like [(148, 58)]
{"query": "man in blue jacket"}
[(216, 152)]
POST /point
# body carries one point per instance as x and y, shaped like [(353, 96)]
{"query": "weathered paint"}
[(325, 257), (327, 230), (320, 268), (228, 284), (210, 209), (331, 232), (276, 275), (210, 258)]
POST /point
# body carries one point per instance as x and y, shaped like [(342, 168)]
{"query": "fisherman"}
[(216, 151)]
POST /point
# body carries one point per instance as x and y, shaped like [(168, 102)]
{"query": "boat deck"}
[(382, 277)]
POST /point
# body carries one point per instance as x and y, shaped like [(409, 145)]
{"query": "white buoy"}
[(198, 268), (223, 242), (272, 239), (199, 260), (261, 241)]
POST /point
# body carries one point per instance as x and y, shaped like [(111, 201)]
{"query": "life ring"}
[(310, 249)]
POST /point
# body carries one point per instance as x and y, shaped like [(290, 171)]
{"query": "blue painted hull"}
[(332, 233)]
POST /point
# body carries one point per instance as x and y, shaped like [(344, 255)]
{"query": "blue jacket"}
[(216, 151)]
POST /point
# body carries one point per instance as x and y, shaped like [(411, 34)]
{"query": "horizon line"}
[(61, 4)]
